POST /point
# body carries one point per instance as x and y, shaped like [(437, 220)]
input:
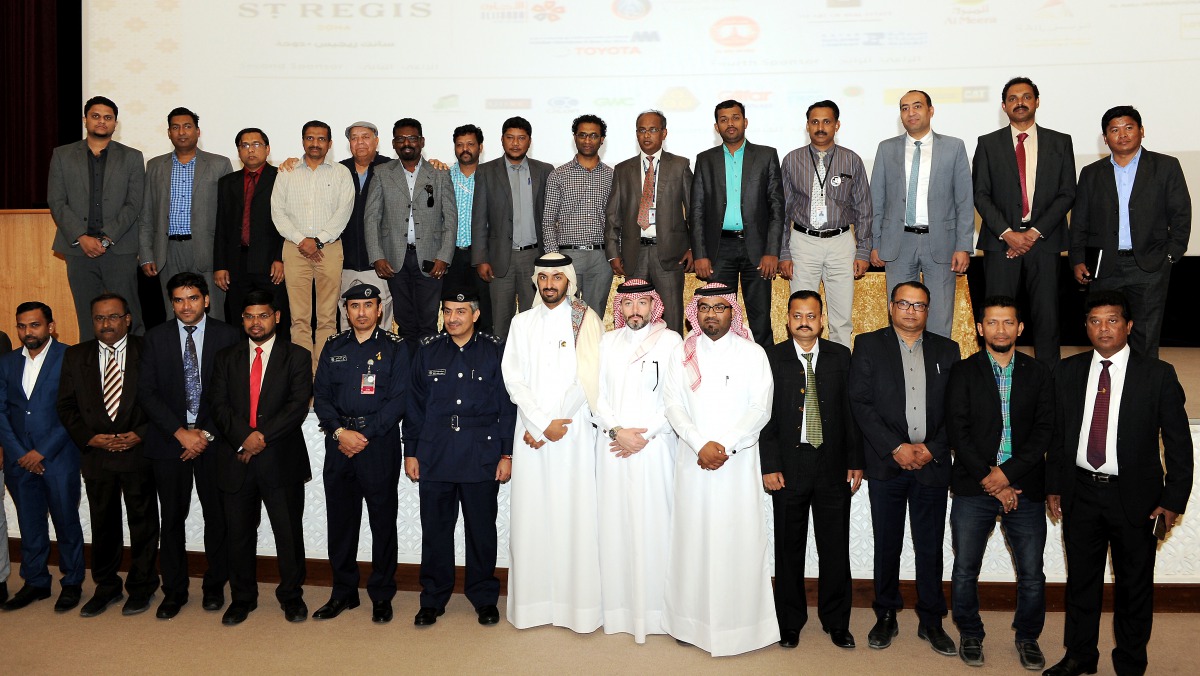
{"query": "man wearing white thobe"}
[(718, 395), (551, 368), (635, 462)]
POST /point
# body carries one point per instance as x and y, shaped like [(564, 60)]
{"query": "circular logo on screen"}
[(631, 9), (734, 31)]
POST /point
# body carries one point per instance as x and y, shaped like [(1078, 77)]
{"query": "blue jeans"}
[(972, 519)]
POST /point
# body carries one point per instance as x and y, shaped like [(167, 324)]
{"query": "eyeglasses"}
[(642, 131), (719, 309), (262, 317), (252, 145), (588, 136), (100, 319), (904, 305), (406, 139), (322, 139)]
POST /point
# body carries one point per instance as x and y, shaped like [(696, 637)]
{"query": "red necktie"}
[(251, 181), (1021, 170), (647, 196), (255, 386), (1098, 435)]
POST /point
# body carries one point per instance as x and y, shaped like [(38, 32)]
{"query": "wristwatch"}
[(208, 435), (320, 244), (612, 432), (338, 432)]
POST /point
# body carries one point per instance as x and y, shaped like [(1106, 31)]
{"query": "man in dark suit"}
[(262, 460), (41, 463), (1131, 222), (737, 216), (646, 235), (506, 222), (1000, 418), (98, 403), (175, 392), (1024, 186), (248, 249), (1105, 479), (818, 466), (95, 195), (898, 392)]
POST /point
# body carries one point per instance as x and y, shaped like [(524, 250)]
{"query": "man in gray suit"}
[(410, 225), (646, 229), (179, 218), (95, 194), (924, 221), (506, 222)]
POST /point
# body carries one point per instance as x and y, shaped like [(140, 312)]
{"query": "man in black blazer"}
[(98, 404), (1131, 221), (506, 223), (1000, 419), (1105, 479), (265, 385), (898, 391), (174, 390), (1024, 186), (817, 465), (737, 230), (247, 248)]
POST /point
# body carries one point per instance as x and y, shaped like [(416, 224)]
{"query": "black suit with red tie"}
[(274, 477)]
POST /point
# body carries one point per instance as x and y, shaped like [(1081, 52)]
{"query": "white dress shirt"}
[(1116, 374), (33, 366), (1031, 154), (922, 175)]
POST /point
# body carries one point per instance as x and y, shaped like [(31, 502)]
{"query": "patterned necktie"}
[(817, 216), (255, 386), (1021, 170), (251, 182), (812, 406), (191, 373), (914, 173), (1098, 435), (647, 196), (114, 382)]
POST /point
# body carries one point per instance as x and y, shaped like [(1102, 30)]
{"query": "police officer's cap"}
[(460, 296), (361, 292)]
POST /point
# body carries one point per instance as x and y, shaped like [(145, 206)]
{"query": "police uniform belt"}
[(359, 423), (458, 422)]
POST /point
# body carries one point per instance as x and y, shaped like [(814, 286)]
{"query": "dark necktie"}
[(1021, 170), (647, 202), (1098, 435), (812, 406), (191, 373), (251, 182), (255, 386)]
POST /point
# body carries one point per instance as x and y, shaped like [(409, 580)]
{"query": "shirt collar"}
[(1132, 163), (1119, 360), (996, 365), (199, 324), (119, 346), (657, 156), (191, 162), (816, 350), (256, 173), (266, 347), (812, 151), (926, 140), (737, 153), (45, 349), (1032, 131)]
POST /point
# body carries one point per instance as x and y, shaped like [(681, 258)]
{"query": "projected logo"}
[(734, 31), (508, 104), (631, 9), (563, 104), (678, 99), (448, 102), (746, 96), (548, 11), (504, 12)]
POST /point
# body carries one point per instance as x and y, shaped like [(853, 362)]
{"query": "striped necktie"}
[(114, 382), (812, 406)]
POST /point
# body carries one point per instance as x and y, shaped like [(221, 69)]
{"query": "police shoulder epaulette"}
[(394, 337), (338, 335), (484, 335), (434, 338)]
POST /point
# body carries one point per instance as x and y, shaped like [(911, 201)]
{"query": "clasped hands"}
[(554, 432), (115, 443), (912, 456)]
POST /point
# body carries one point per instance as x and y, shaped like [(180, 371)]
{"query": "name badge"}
[(436, 372), (836, 180), (368, 384), (653, 215), (338, 358), (820, 218)]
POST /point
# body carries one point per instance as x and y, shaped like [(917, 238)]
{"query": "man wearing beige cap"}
[(356, 266)]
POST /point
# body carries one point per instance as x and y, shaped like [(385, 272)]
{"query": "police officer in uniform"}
[(458, 444), (359, 396)]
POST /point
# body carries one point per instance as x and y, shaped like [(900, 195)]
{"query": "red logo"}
[(734, 31)]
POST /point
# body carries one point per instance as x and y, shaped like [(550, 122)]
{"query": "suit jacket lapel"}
[(1142, 178), (275, 373), (935, 163), (42, 374), (989, 376), (748, 155)]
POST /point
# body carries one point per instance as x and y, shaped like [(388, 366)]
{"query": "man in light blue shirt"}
[(461, 276)]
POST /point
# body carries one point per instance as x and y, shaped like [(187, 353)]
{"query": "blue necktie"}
[(191, 373), (910, 210)]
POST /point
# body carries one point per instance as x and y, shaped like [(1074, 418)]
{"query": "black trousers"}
[(440, 501), (105, 489), (460, 275), (173, 481), (415, 299), (733, 264), (345, 490), (1147, 294), (1002, 276), (243, 512), (830, 504), (1095, 522), (242, 282), (926, 507)]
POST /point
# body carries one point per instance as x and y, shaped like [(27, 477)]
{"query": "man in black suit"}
[(506, 223), (173, 386), (1024, 186), (248, 250), (98, 403), (265, 387), (819, 465), (1105, 480), (897, 391), (737, 216), (1000, 419), (1131, 221)]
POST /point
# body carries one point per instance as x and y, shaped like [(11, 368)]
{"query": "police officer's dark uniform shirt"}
[(462, 419)]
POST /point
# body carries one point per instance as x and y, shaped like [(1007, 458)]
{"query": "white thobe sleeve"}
[(744, 432), (675, 393), (532, 417)]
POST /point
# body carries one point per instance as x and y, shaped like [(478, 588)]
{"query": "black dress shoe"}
[(237, 613), (3, 592), (99, 603), (1069, 666), (381, 612), (334, 608), (295, 610), (842, 638), (886, 628), (428, 616), (938, 639), (137, 604), (68, 598), (213, 600), (789, 638), (1031, 655), (970, 649), (488, 615), (170, 607), (26, 595)]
